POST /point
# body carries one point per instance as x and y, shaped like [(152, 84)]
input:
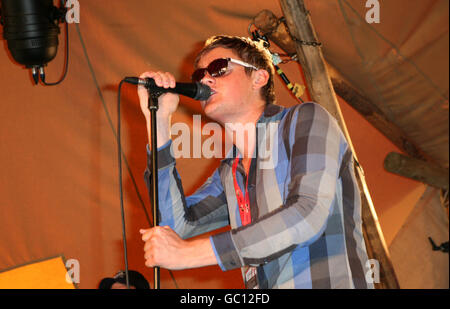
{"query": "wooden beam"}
[(321, 90), (416, 169), (375, 116), (276, 31), (270, 25)]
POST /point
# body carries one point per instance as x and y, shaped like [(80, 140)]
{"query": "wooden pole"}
[(321, 90), (416, 169)]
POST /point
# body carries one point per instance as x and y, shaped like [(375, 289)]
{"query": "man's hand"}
[(163, 247), (167, 102), (167, 105)]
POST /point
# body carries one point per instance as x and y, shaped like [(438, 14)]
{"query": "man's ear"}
[(260, 78)]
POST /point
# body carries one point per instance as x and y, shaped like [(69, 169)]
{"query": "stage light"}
[(31, 29)]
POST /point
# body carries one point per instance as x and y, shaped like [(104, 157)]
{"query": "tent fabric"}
[(59, 180), (391, 63), (417, 266)]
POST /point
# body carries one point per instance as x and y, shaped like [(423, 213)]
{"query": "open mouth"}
[(213, 92)]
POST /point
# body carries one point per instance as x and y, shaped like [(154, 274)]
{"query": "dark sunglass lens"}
[(218, 67), (198, 75)]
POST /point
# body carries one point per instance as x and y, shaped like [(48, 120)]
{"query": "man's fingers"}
[(142, 231), (147, 246), (149, 261), (162, 79), (146, 234)]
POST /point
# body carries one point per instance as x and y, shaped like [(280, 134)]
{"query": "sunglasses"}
[(218, 68)]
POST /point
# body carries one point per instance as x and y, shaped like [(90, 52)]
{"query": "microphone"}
[(196, 91)]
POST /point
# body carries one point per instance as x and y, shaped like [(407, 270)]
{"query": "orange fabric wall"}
[(59, 174)]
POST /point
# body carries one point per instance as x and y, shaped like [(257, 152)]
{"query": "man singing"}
[(295, 212)]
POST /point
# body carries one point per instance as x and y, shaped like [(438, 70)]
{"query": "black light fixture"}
[(31, 29)]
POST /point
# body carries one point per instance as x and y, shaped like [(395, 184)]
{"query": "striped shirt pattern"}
[(306, 229)]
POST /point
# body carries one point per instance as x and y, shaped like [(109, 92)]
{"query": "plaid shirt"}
[(306, 229)]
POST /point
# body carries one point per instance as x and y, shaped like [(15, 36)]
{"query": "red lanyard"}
[(244, 203)]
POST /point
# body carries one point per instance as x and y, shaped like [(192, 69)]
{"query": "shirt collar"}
[(271, 110)]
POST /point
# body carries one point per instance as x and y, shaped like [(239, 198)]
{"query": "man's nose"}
[(208, 79)]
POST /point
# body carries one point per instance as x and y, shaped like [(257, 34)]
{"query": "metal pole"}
[(153, 107)]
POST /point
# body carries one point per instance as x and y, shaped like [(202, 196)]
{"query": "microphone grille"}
[(203, 92)]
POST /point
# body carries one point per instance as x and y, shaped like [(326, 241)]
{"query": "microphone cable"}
[(66, 61), (122, 210), (108, 116), (296, 89)]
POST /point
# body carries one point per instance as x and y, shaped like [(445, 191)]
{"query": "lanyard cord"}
[(243, 202)]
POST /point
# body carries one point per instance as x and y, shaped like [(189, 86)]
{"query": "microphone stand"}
[(153, 107)]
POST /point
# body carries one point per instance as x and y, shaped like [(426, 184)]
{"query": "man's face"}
[(231, 92)]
